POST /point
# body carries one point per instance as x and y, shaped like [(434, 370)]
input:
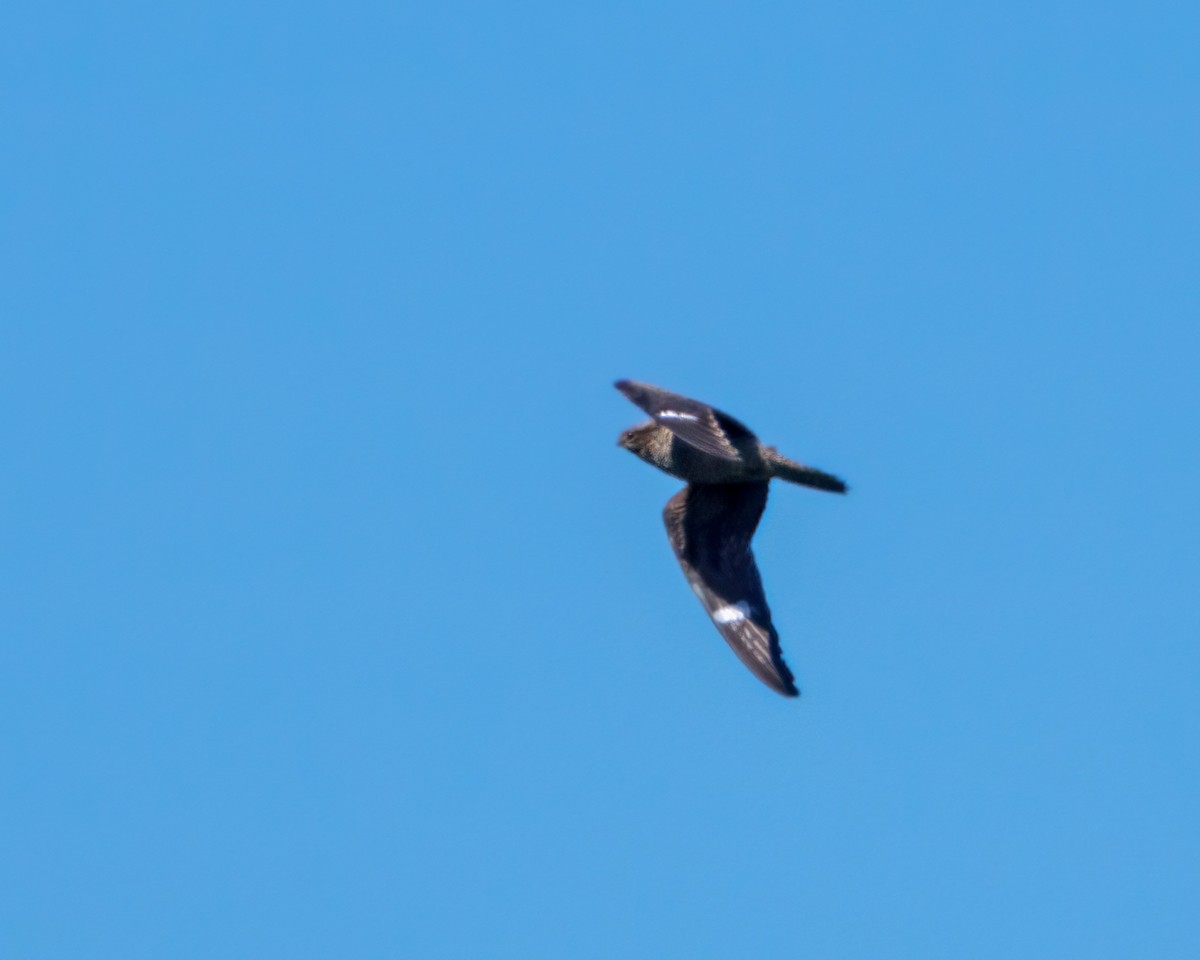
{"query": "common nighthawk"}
[(711, 521)]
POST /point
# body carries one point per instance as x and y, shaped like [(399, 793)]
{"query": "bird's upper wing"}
[(694, 422), (710, 527)]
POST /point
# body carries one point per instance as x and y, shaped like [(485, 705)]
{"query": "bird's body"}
[(711, 521)]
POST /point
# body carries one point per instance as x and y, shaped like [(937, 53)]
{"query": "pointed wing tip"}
[(781, 683), (785, 686), (636, 393)]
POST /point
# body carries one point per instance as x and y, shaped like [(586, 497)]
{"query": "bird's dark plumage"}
[(711, 521), (695, 423)]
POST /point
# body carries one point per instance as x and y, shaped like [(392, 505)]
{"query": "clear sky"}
[(337, 625)]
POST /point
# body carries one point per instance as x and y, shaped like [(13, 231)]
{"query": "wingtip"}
[(779, 678)]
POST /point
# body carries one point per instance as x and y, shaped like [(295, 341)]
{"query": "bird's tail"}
[(793, 472)]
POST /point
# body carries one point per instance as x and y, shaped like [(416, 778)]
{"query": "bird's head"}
[(639, 441)]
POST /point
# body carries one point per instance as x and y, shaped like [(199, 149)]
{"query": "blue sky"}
[(338, 625)]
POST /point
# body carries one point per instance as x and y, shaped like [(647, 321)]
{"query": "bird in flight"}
[(711, 521)]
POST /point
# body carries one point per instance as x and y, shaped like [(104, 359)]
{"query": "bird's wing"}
[(693, 422), (710, 527)]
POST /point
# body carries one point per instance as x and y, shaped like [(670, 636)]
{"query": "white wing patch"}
[(732, 613), (676, 415)]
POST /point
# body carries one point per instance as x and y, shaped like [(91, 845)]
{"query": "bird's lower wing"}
[(693, 422), (710, 527)]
